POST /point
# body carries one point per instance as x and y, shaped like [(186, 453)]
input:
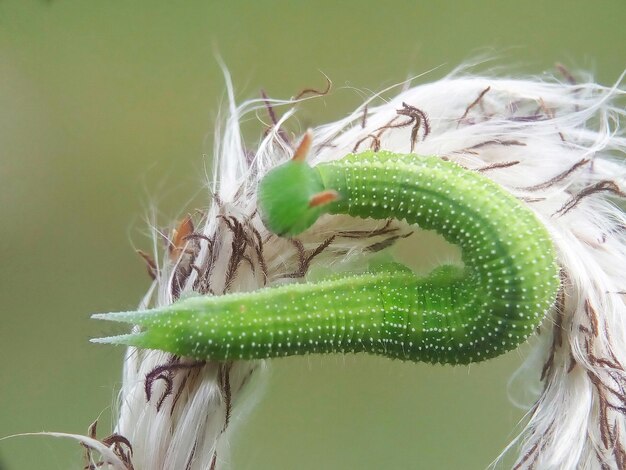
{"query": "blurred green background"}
[(107, 108)]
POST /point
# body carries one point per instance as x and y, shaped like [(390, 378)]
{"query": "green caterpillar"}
[(455, 315)]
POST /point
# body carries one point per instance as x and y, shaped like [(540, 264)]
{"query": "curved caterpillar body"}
[(454, 315)]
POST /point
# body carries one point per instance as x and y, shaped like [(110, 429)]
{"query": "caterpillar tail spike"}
[(508, 281)]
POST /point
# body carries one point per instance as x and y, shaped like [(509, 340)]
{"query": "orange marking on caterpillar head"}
[(303, 149), (323, 198)]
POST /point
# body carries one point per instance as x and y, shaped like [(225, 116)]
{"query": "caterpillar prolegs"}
[(455, 315)]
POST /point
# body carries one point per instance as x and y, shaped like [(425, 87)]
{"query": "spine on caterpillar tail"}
[(454, 315)]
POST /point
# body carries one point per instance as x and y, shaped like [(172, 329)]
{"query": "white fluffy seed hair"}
[(554, 143)]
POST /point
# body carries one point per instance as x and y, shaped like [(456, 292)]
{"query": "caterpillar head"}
[(292, 196)]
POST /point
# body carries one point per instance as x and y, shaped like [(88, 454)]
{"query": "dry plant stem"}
[(554, 145)]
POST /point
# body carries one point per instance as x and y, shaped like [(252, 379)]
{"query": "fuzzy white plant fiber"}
[(554, 143)]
